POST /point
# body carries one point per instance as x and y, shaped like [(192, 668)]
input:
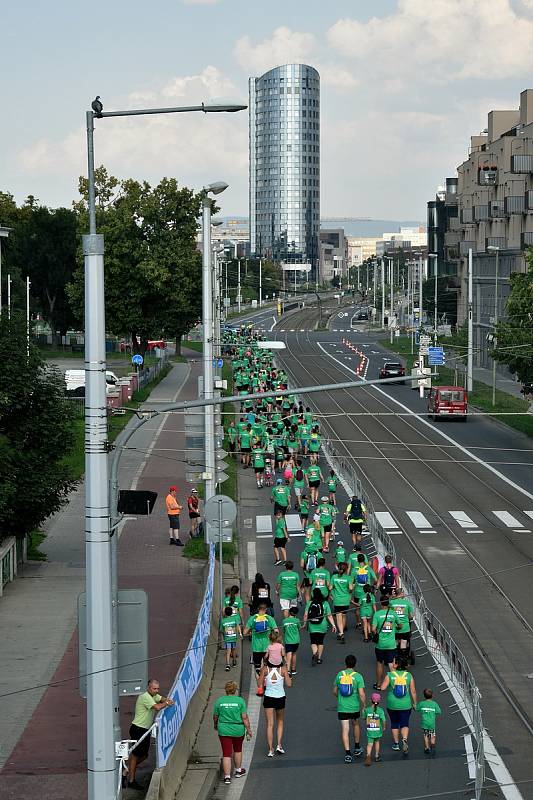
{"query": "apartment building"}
[(494, 202)]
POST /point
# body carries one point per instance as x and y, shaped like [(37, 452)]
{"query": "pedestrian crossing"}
[(465, 521)]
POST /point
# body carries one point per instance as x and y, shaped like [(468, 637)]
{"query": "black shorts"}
[(316, 638), (356, 527), (348, 714), (306, 582), (277, 508), (406, 637), (327, 528), (274, 702), (193, 514), (259, 470), (280, 542), (258, 659), (142, 749), (341, 609), (314, 484), (292, 648), (246, 449), (174, 521), (231, 446), (304, 517), (385, 656)]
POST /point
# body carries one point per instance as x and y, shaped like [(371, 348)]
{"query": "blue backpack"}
[(261, 623)]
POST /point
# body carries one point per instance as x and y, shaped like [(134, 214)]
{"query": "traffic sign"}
[(436, 356), (220, 512), (137, 359), (221, 477)]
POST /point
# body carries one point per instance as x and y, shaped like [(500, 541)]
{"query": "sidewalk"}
[(42, 732)]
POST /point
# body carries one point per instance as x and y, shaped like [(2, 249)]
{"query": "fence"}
[(443, 648), (150, 373)]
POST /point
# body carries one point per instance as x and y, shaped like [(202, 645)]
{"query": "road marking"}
[(522, 530), (463, 519), (292, 330), (470, 757), (529, 514), (263, 523), (273, 324), (385, 519), (375, 352), (252, 561), (439, 431), (393, 533), (418, 519), (293, 522), (508, 519), (428, 531)]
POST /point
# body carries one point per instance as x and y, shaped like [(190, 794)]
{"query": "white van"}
[(75, 381)]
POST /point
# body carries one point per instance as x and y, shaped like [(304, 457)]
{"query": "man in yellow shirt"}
[(173, 511), (146, 706)]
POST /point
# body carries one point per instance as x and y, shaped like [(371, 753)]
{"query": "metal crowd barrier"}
[(439, 642)]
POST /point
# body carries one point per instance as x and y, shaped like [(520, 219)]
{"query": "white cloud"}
[(195, 147), (283, 47), (440, 41)]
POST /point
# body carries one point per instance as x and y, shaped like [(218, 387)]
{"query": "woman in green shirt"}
[(316, 617), (401, 699), (341, 588), (230, 718)]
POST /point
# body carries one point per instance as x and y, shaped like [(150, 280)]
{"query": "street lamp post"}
[(435, 298), (470, 346), (382, 292), (4, 233), (495, 323), (103, 722), (260, 282)]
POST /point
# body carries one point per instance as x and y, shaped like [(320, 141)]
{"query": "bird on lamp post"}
[(97, 106)]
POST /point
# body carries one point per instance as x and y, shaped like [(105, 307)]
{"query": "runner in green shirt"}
[(317, 615), (326, 511), (314, 478), (260, 625), (349, 689), (281, 497), (314, 445), (401, 698), (353, 559), (231, 433), (404, 611), (385, 623), (340, 556), (375, 722), (332, 488), (230, 625), (291, 638), (429, 711), (281, 537), (341, 587), (367, 609), (258, 460), (287, 588), (245, 443), (304, 510), (320, 578), (230, 718)]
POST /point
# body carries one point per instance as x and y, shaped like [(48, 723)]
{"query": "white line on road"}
[(463, 519), (385, 519), (263, 523), (418, 519), (273, 324), (252, 561), (508, 519), (529, 514)]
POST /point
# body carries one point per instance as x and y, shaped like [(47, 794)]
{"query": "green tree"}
[(446, 299), (514, 335), (36, 433), (152, 266)]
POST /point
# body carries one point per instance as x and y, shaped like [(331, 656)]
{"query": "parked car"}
[(75, 381), (448, 401), (392, 369)]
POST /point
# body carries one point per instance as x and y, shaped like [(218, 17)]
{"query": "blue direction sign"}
[(137, 359), (436, 356), (218, 362)]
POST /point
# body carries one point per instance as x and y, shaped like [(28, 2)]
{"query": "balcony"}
[(496, 241), (529, 200), (527, 239), (451, 238), (487, 176), (464, 247), (466, 215), (481, 213), (521, 164), (496, 209), (514, 204)]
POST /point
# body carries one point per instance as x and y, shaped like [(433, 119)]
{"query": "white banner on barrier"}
[(189, 675)]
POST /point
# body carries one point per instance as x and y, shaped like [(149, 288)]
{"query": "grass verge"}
[(480, 397), (197, 548), (197, 346), (35, 539)]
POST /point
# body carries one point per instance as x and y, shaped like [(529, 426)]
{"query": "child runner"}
[(281, 537), (230, 625), (291, 636), (332, 487), (429, 709), (304, 510), (287, 588), (367, 608), (299, 483), (349, 688), (275, 652), (376, 723)]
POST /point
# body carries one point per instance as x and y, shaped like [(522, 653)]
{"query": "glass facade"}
[(285, 164)]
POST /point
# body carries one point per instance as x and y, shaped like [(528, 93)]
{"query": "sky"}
[(404, 84)]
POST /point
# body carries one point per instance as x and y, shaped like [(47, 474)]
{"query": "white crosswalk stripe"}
[(418, 519), (463, 519), (508, 520), (263, 523), (385, 519)]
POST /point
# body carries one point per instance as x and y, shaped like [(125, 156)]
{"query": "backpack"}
[(388, 577), (346, 684), (261, 623), (356, 509), (400, 684), (362, 576), (310, 563), (299, 474), (315, 614)]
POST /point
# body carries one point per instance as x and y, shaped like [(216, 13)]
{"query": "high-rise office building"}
[(285, 164)]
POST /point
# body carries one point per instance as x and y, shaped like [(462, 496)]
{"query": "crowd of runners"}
[(330, 585)]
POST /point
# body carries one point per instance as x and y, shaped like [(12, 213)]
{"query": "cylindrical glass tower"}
[(285, 164)]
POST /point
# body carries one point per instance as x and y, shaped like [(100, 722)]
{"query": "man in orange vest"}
[(173, 511)]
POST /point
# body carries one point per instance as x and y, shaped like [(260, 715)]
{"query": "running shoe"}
[(280, 750), (228, 667), (270, 754), (358, 751), (314, 660), (377, 758), (239, 773), (348, 759), (396, 746), (319, 661), (294, 672), (405, 747), (427, 751), (227, 779), (278, 562), (368, 761)]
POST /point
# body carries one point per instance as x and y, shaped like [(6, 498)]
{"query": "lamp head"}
[(217, 187), (492, 247)]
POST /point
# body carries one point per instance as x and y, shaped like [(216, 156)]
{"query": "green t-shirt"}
[(326, 513), (228, 626), (281, 495), (374, 722), (340, 555), (402, 607), (319, 627), (402, 679), (332, 484), (288, 584), (260, 640), (313, 473), (312, 539), (314, 443), (352, 703), (232, 433), (258, 458), (429, 710), (359, 574), (341, 590), (299, 484), (291, 630), (237, 604), (320, 579), (353, 562), (246, 439), (229, 709), (366, 609), (144, 710), (386, 625), (304, 507), (280, 529)]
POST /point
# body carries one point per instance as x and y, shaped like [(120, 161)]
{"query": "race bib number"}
[(262, 593)]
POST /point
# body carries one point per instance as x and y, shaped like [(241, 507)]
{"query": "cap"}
[(173, 489), (376, 697), (194, 491), (340, 544), (279, 481), (316, 518), (324, 499)]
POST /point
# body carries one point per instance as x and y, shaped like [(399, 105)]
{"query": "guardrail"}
[(441, 645)]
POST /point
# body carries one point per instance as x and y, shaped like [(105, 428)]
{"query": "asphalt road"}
[(458, 497)]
